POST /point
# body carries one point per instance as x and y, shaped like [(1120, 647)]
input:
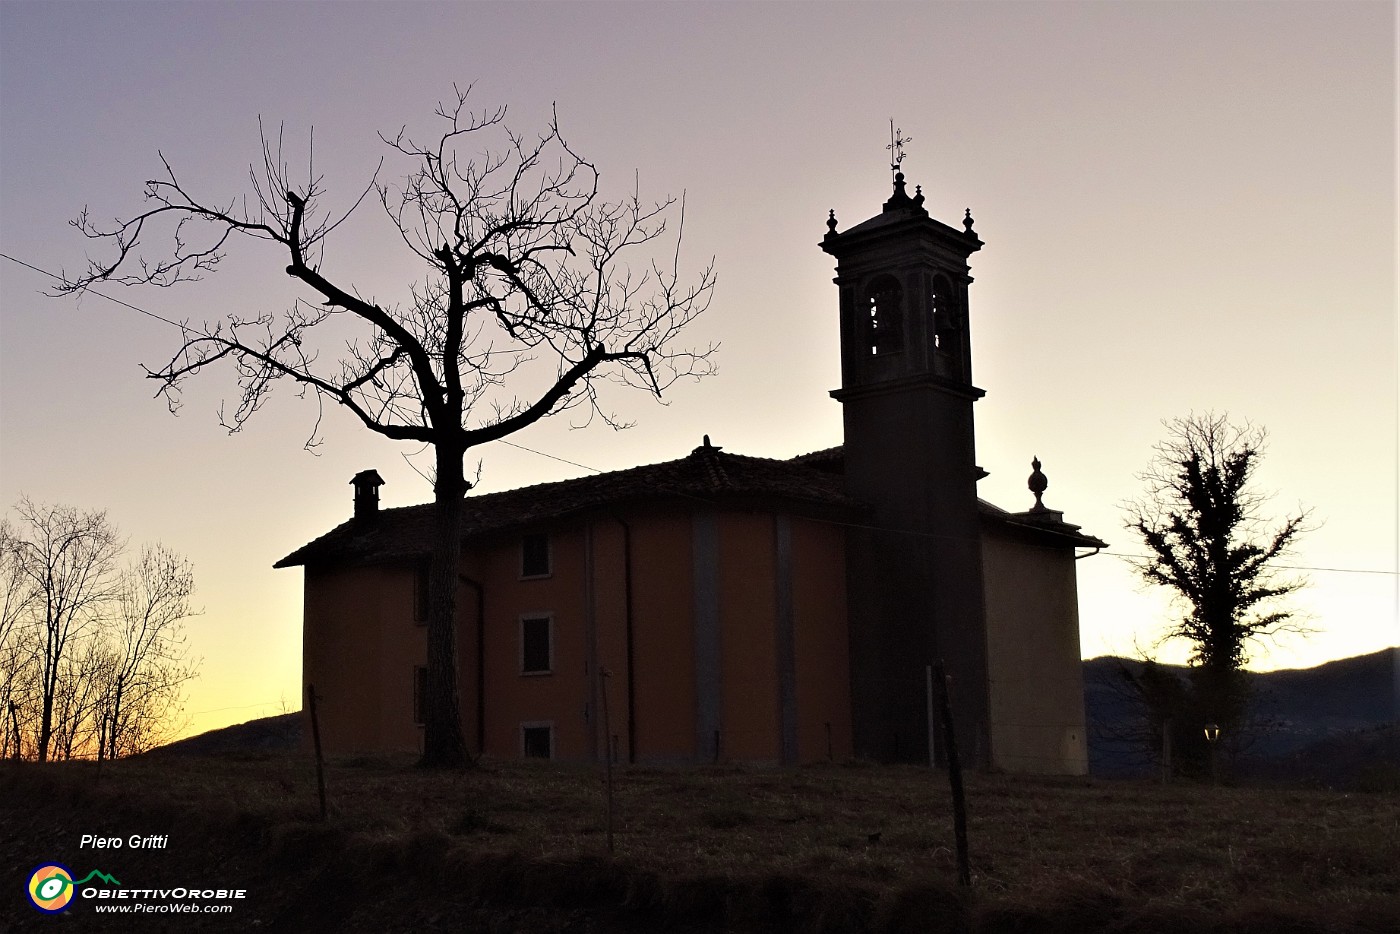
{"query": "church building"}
[(724, 608)]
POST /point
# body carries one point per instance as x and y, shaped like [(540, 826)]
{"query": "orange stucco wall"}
[(608, 600), (358, 631), (822, 646), (513, 698), (747, 594), (663, 642), (361, 644)]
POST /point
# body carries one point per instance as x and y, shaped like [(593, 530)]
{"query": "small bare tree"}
[(69, 559), (78, 696), (16, 653), (19, 590), (1210, 543), (149, 662), (528, 282), (93, 655)]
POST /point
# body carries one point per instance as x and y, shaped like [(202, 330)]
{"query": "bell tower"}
[(915, 574)]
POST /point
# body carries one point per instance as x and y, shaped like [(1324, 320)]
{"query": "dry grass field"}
[(522, 847)]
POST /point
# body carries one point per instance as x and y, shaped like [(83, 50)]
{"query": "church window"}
[(537, 740), (534, 556), (536, 651), (885, 310)]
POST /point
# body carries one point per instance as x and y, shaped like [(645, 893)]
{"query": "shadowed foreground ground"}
[(522, 847)]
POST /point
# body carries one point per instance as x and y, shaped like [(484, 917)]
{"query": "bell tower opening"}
[(886, 304), (948, 314)]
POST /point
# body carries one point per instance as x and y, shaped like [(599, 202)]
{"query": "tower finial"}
[(896, 146)]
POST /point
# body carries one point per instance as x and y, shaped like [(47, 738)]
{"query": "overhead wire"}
[(873, 528), (56, 277), (563, 460)]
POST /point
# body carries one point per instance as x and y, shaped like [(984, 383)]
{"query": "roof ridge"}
[(714, 467), (705, 473), (821, 454)]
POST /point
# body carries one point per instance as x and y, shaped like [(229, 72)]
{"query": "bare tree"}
[(93, 656), (527, 282), (19, 590), (69, 558), (1211, 544), (77, 697), (149, 663), (16, 653)]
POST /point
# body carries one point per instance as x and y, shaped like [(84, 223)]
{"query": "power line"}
[(550, 456), (873, 528), (564, 460), (1286, 567), (56, 277)]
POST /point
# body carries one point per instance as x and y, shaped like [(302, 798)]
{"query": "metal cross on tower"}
[(896, 146)]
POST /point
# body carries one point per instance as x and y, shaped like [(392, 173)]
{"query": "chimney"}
[(366, 484)]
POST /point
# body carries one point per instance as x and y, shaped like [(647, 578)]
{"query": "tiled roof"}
[(707, 474), (811, 482), (827, 460)]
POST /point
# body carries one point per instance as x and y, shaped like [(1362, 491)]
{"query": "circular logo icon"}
[(51, 887)]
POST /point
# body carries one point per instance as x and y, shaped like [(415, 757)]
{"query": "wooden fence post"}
[(1166, 751), (603, 676), (954, 777)]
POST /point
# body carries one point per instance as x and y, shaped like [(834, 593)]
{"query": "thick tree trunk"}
[(443, 743), (116, 716), (46, 717)]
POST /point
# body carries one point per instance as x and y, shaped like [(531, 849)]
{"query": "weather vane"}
[(896, 146)]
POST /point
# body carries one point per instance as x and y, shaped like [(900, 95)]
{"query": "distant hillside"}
[(1348, 694), (1336, 724), (1322, 724), (281, 733)]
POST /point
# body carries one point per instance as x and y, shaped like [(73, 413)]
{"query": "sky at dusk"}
[(1187, 207)]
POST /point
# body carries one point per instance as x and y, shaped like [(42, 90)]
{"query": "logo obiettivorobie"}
[(51, 886)]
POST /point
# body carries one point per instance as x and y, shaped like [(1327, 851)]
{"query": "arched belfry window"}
[(885, 310), (945, 319)]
